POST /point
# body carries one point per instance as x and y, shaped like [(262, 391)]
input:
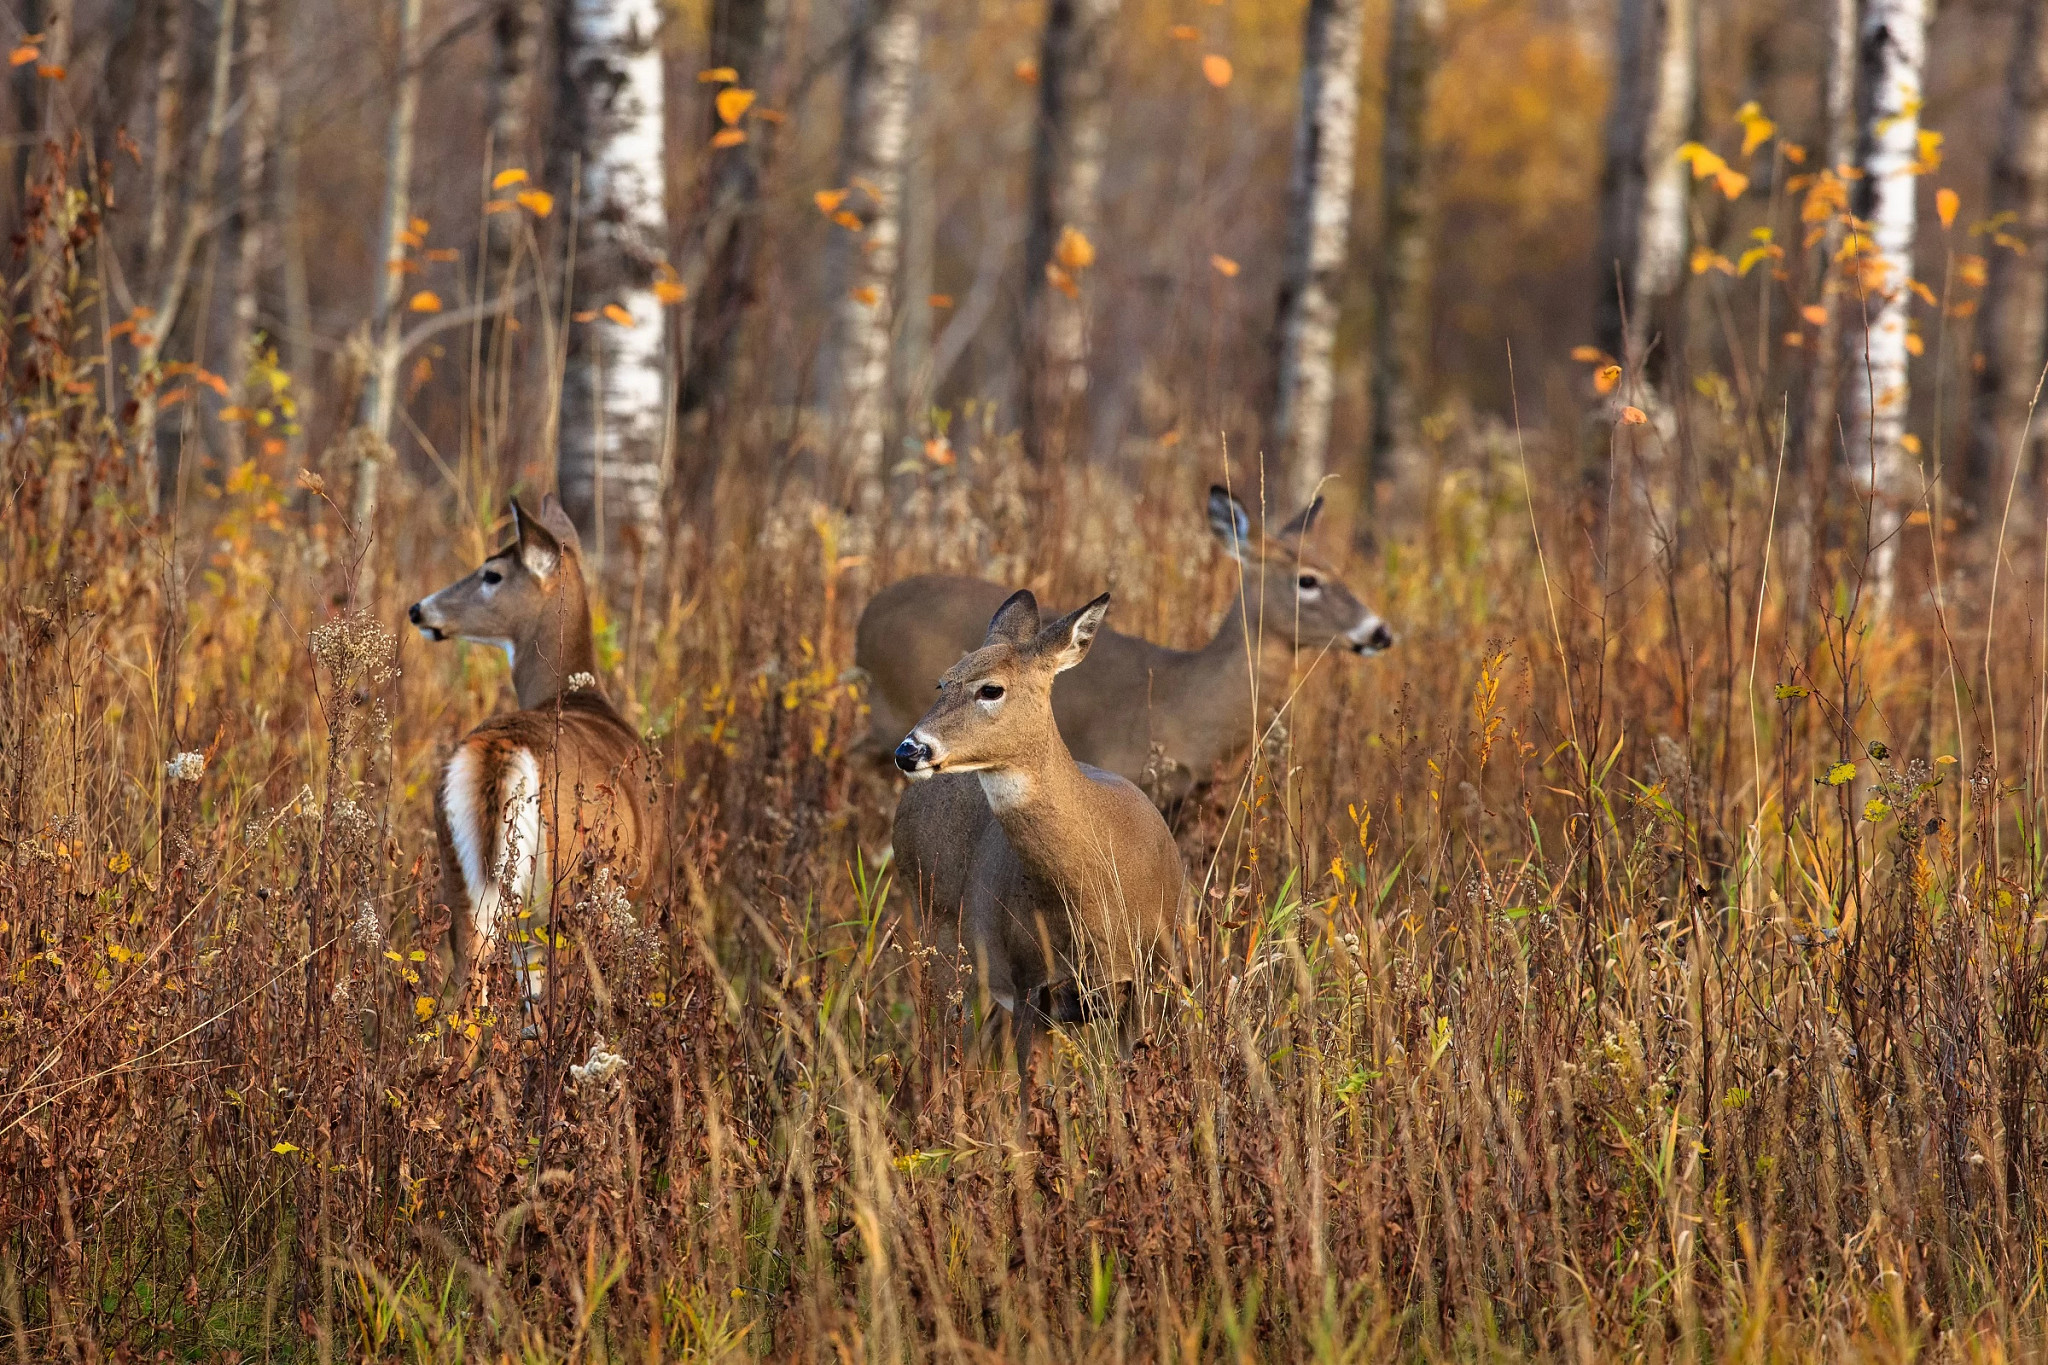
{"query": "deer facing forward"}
[(1059, 879), (561, 784)]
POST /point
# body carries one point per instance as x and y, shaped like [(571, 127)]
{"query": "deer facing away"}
[(1163, 718), (1059, 879), (528, 798)]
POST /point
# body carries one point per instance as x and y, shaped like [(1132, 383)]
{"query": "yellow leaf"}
[(426, 301), (120, 863), (1756, 128), (1605, 378), (670, 291), (828, 201), (1930, 151), (1731, 183), (1946, 203), (1793, 692), (284, 1149), (1973, 271), (505, 178), (1586, 355), (1216, 69), (1073, 250), (1926, 294), (1915, 346), (716, 74), (728, 137), (23, 55), (537, 202), (423, 1008), (1027, 71), (1703, 162), (866, 295), (1750, 257), (1875, 809), (1187, 33), (615, 313), (1633, 417), (233, 414), (733, 102), (1841, 774), (1224, 266), (1909, 442), (1815, 313)]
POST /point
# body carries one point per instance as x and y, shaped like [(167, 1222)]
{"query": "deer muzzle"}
[(916, 757), (1370, 636)]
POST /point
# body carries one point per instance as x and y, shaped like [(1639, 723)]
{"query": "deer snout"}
[(419, 618), (1371, 636), (914, 756)]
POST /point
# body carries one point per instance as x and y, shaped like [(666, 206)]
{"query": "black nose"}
[(911, 755), (412, 613), (1381, 638)]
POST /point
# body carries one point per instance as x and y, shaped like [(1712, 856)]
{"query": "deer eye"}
[(1308, 582), (493, 576), (990, 692)]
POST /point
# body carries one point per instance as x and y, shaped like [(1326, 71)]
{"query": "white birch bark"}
[(1893, 42), (1318, 239), (2016, 294), (878, 138), (254, 221), (615, 394), (199, 221), (380, 390), (1066, 192), (1644, 185), (1402, 277)]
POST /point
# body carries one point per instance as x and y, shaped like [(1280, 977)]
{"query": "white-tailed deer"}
[(528, 798), (1060, 880), (1163, 718)]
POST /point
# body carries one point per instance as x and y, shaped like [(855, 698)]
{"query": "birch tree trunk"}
[(298, 294), (1643, 185), (615, 398), (515, 44), (1401, 284), (254, 221), (878, 135), (380, 389), (1838, 118), (912, 363), (1066, 202), (2016, 294), (749, 37), (1893, 47), (170, 85), (1318, 240), (177, 271)]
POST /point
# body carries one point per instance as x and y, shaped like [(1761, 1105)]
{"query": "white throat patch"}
[(1004, 790)]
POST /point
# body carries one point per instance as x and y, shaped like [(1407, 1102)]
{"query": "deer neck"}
[(557, 647), (1239, 661), (1046, 805)]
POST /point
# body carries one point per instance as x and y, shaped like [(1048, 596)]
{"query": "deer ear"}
[(1304, 520), (1067, 639), (539, 550), (557, 521), (1229, 521), (1016, 621)]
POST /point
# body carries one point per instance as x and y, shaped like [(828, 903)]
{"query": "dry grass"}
[(1556, 992)]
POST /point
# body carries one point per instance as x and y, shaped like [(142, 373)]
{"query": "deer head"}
[(1296, 598), (994, 710)]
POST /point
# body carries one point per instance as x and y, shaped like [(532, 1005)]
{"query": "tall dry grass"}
[(1560, 989)]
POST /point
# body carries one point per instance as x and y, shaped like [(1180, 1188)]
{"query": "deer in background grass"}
[(527, 798), (1061, 880), (1162, 718)]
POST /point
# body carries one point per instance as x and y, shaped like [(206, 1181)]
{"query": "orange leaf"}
[(716, 74), (849, 220), (940, 300), (733, 102), (772, 115), (509, 177), (615, 313), (1605, 378), (418, 225), (50, 73), (670, 291), (426, 301), (728, 137), (1187, 33), (1914, 344), (211, 380), (537, 202), (1973, 270), (587, 315), (828, 200), (1224, 266), (1815, 313), (1731, 183), (1027, 71), (866, 295), (1216, 69), (1795, 338), (1062, 281), (1634, 417), (1946, 202), (233, 414), (498, 206), (1586, 355), (1073, 250), (444, 253), (23, 55)]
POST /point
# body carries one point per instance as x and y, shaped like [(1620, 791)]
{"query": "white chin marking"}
[(1004, 790)]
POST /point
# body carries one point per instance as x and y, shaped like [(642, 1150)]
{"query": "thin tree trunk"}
[(615, 396), (298, 297), (199, 222), (254, 223), (2016, 295), (1066, 202), (515, 41), (1838, 119), (379, 399), (1318, 239), (749, 36), (1893, 47), (170, 84), (1643, 185), (878, 136), (1402, 279), (912, 364)]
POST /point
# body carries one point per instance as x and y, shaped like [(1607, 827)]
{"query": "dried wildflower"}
[(354, 645), (600, 1068), (579, 682), (366, 933), (185, 767)]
